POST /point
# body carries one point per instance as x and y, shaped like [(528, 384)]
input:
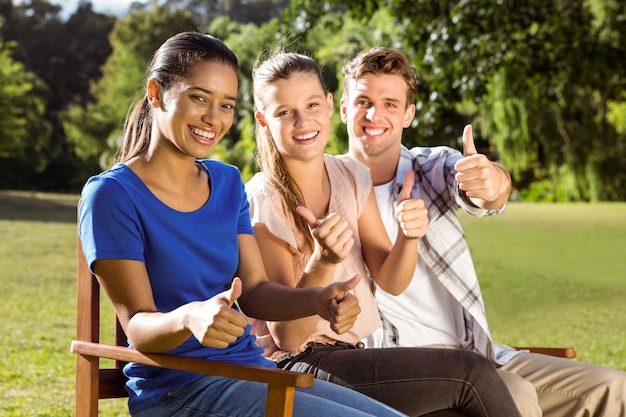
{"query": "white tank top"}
[(425, 313)]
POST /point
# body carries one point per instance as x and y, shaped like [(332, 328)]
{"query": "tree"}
[(95, 130), (65, 56), (23, 131), (533, 76)]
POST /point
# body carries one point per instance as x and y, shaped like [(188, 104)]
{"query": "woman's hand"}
[(411, 213), (338, 306), (214, 322), (332, 235)]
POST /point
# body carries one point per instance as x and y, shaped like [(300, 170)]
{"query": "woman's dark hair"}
[(173, 61)]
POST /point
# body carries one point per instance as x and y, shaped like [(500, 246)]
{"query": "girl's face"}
[(194, 114), (297, 114)]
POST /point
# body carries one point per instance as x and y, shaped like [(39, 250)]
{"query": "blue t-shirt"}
[(189, 256)]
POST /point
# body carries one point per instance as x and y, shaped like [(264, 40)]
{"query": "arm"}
[(337, 307), (213, 322), (392, 267), (486, 184)]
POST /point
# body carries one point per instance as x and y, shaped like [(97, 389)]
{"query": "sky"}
[(116, 7)]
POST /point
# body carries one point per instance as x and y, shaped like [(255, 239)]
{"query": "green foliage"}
[(64, 56), (542, 82), (617, 114), (24, 132), (534, 77), (96, 129)]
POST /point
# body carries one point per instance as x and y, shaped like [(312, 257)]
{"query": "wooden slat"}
[(112, 383), (183, 363), (560, 352)]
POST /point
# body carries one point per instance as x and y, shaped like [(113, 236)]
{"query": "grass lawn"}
[(555, 275), (551, 275)]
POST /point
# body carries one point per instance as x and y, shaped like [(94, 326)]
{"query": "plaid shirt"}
[(444, 248)]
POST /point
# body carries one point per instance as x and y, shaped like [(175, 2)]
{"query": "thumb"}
[(308, 216), (407, 186), (349, 284), (234, 292), (468, 142)]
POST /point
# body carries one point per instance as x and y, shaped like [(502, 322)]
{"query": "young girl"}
[(169, 237), (317, 222)]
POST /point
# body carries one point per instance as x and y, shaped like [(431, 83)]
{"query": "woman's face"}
[(297, 114), (194, 114)]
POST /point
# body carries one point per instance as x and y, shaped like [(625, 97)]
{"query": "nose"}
[(371, 113), (210, 114), (298, 119)]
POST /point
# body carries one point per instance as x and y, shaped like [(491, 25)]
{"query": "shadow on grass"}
[(40, 207)]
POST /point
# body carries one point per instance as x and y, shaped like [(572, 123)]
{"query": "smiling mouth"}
[(306, 136), (373, 132), (203, 134)]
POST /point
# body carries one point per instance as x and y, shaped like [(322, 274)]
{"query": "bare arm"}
[(213, 322), (278, 261), (392, 266)]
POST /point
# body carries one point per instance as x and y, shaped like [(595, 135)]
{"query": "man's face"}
[(375, 111)]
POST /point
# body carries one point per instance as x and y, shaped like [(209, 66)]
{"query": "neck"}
[(382, 167), (312, 179)]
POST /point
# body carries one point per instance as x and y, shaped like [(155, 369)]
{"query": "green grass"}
[(551, 275), (555, 275)]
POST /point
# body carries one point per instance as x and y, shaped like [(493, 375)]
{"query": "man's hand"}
[(480, 178)]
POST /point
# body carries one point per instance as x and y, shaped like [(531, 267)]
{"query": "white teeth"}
[(206, 135), (373, 132), (306, 137)]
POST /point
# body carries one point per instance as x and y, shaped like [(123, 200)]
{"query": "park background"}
[(541, 82)]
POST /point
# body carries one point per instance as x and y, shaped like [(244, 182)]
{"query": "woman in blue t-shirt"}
[(168, 235)]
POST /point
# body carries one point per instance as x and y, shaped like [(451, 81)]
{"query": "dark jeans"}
[(416, 381)]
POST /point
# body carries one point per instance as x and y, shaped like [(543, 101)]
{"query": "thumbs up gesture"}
[(339, 306), (214, 322), (480, 178), (332, 235), (411, 213)]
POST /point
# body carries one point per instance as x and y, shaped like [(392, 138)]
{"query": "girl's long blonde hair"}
[(279, 66)]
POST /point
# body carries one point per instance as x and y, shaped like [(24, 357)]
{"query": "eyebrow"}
[(313, 96), (211, 92), (388, 99)]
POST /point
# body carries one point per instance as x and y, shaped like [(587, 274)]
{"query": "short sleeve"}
[(266, 207), (362, 180), (108, 225)]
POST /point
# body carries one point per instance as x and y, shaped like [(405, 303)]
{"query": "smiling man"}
[(443, 306)]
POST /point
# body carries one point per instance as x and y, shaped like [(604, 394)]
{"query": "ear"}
[(153, 92), (260, 118), (331, 103), (343, 110), (409, 114)]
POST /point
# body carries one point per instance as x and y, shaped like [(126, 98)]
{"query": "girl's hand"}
[(214, 322), (332, 235), (411, 213), (338, 306)]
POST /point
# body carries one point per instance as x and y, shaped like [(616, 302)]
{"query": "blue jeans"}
[(416, 381), (212, 396)]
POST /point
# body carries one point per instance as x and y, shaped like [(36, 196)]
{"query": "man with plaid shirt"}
[(443, 306)]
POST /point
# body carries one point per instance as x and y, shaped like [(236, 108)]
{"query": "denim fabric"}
[(416, 381), (213, 396)]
